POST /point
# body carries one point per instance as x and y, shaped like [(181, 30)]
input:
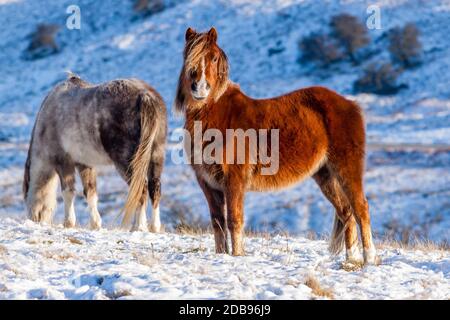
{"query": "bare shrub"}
[(74, 240), (148, 7), (350, 32), (3, 250), (43, 41), (404, 45), (414, 232), (378, 79), (320, 48), (317, 289), (7, 201), (58, 255), (183, 219), (146, 260), (192, 229), (390, 242), (352, 266)]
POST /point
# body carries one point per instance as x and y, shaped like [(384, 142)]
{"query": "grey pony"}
[(81, 126)]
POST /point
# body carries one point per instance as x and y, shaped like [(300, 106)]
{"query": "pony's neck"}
[(228, 88), (198, 111)]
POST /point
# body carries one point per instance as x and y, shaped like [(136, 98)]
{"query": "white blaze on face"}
[(202, 85)]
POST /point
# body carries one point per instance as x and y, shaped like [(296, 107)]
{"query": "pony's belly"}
[(85, 152), (205, 173), (277, 182), (288, 175)]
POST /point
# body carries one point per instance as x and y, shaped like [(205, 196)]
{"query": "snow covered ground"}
[(408, 158), (39, 262)]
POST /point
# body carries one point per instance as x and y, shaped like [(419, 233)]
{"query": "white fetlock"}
[(96, 220), (140, 223), (155, 224), (69, 210), (69, 222), (139, 228), (370, 256), (95, 224), (353, 255)]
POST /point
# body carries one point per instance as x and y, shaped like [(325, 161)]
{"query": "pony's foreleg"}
[(216, 203), (66, 173), (88, 179), (234, 195), (41, 196), (140, 221)]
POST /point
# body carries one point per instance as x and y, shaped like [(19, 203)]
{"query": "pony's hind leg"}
[(66, 173), (155, 196), (350, 176), (140, 221), (344, 230), (88, 179), (154, 185), (41, 196)]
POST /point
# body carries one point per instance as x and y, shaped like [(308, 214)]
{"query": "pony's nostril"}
[(194, 86), (208, 86)]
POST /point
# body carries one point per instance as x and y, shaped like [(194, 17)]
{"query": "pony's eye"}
[(193, 73), (215, 59)]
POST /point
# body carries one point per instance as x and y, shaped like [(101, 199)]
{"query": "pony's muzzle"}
[(200, 90)]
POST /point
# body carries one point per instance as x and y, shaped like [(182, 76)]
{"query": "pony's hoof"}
[(222, 249), (238, 253), (355, 258), (95, 225), (375, 261), (139, 228), (69, 224), (352, 264), (156, 228)]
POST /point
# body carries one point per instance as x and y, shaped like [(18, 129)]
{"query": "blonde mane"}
[(194, 51)]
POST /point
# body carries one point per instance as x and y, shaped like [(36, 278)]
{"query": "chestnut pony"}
[(321, 135)]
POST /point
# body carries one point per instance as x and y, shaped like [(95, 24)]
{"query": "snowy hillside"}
[(55, 263), (408, 186), (408, 160)]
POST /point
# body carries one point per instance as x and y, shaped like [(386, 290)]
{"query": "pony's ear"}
[(190, 33), (212, 34)]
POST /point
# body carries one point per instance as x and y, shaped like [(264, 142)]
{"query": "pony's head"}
[(204, 75)]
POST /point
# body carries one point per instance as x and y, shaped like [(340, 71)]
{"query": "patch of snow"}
[(39, 262)]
